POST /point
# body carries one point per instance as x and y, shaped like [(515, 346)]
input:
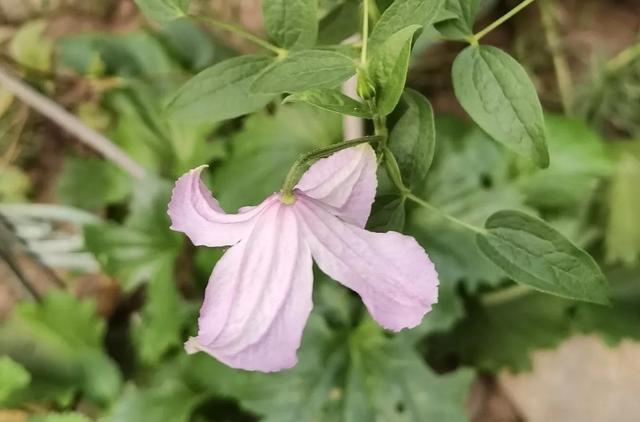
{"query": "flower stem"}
[(443, 214), (474, 39), (302, 164), (365, 31), (241, 32)]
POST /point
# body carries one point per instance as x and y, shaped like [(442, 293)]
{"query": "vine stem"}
[(241, 32), (71, 124), (474, 39), (443, 214)]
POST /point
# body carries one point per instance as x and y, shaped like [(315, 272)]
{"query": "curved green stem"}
[(443, 214), (302, 164), (241, 32), (511, 13), (393, 170)]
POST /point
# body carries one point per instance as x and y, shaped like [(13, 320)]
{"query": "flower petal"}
[(259, 297), (346, 181), (196, 213), (390, 271)]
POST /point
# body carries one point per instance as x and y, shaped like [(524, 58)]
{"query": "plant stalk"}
[(475, 39)]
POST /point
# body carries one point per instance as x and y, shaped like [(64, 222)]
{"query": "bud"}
[(365, 88)]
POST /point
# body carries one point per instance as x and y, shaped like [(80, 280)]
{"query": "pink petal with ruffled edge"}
[(259, 297), (346, 181), (197, 214), (391, 272)]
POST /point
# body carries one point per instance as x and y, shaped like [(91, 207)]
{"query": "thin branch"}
[(71, 124), (474, 39)]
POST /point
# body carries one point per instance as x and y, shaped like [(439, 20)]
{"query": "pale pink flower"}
[(259, 294)]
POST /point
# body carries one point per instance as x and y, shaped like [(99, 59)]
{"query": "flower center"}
[(287, 198)]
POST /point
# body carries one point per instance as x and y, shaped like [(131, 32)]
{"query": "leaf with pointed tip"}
[(388, 68), (221, 91), (535, 254), (305, 70), (332, 100), (499, 96), (291, 24), (413, 138)]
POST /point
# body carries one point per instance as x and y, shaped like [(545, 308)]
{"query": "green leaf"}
[(623, 228), (340, 23), (92, 183), (60, 342), (503, 334), (620, 321), (533, 253), (460, 25), (29, 47), (305, 70), (413, 138), (13, 377), (168, 401), (265, 149), (332, 100), (192, 45), (386, 377), (60, 417), (291, 24), (387, 214), (221, 91), (135, 251), (499, 96), (580, 160), (162, 318), (444, 316), (163, 10), (400, 15), (388, 68)]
